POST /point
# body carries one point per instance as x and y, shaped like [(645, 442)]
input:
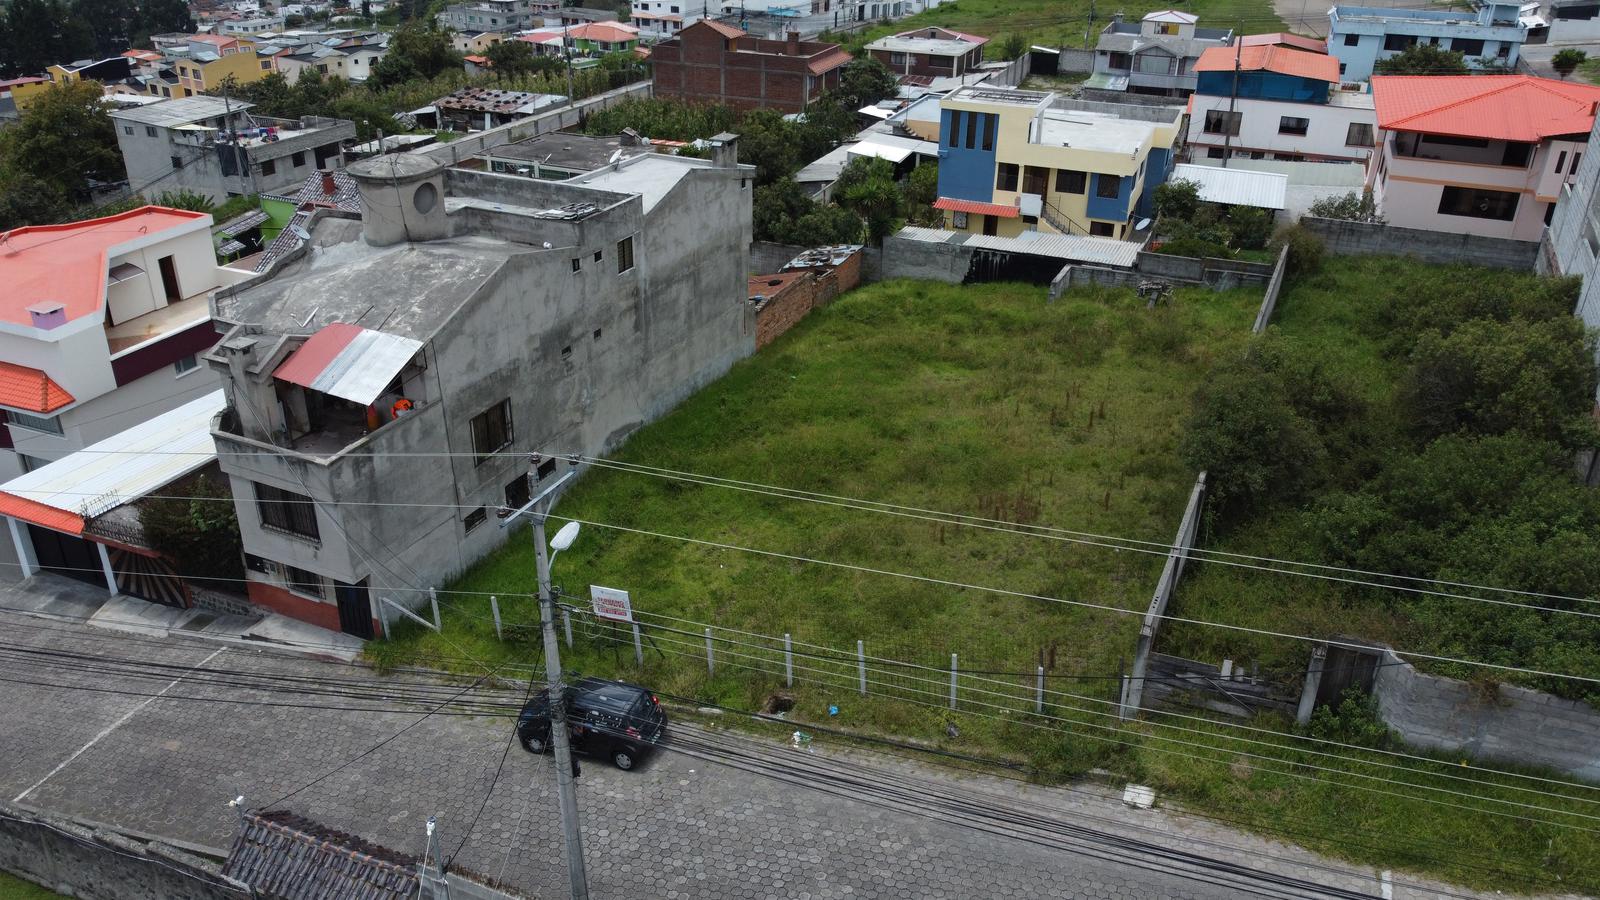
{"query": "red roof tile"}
[(827, 62), (1495, 107), (977, 206), (39, 514), (1270, 58), (727, 31), (30, 389)]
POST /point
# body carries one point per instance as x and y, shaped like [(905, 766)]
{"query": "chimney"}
[(329, 188), (630, 138), (725, 150), (48, 314), (792, 48)]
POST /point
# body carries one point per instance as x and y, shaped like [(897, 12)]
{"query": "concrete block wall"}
[(1506, 723), (1343, 238), (100, 864), (1079, 61), (766, 256), (1218, 273), (907, 258)]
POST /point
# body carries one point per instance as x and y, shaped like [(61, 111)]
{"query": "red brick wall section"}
[(795, 300), (279, 600)]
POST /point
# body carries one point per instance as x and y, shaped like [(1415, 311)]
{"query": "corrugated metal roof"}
[(1235, 187), (880, 151), (1097, 250), (932, 235), (119, 469), (348, 361), (282, 855), (240, 224)]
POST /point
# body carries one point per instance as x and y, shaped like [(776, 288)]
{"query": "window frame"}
[(27, 421), (297, 586), (1352, 132), (625, 261), (1064, 185), (1002, 170), (1286, 126), (183, 365), (286, 512), (1223, 122), (1101, 180), (1464, 198), (507, 429)]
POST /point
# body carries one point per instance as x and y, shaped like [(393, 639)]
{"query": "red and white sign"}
[(610, 603)]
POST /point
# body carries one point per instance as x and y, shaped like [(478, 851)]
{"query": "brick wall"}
[(279, 600), (699, 65), (798, 293)]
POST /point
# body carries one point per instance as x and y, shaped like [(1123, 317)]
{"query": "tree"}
[(158, 17), (1013, 46), (511, 58), (1568, 60), (366, 9), (65, 139), (1488, 377), (921, 189), (1423, 59), (1249, 439), (109, 21), (1351, 207), (417, 49), (867, 188), (864, 82), (198, 532), (184, 198), (767, 142), (1250, 227), (35, 34), (782, 213), (1177, 200)]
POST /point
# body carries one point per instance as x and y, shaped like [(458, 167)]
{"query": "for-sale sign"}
[(610, 603)]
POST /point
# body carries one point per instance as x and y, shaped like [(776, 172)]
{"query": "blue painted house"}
[(1256, 102), (1490, 37)]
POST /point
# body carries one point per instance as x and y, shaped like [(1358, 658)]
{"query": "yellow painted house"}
[(1012, 161)]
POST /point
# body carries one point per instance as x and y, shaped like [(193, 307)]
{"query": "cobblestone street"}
[(683, 825)]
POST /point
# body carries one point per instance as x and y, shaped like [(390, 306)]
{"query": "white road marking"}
[(1385, 885), (113, 727)]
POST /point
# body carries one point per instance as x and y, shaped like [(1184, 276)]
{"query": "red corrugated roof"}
[(1270, 58), (977, 206), (30, 389), (1494, 107), (1286, 39), (305, 364), (39, 514), (67, 264), (829, 61)]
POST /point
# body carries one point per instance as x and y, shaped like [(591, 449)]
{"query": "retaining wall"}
[(1342, 238), (907, 258), (1503, 722), (1218, 273), (99, 864), (1077, 61)]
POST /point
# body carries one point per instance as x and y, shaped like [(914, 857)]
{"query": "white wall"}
[(194, 259), (1258, 128)]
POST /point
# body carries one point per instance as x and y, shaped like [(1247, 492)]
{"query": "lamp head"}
[(565, 537)]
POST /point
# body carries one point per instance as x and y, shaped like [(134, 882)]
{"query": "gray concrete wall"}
[(1076, 61), (907, 258), (1344, 238), (1572, 242), (1218, 273), (100, 864), (767, 258), (1506, 723)]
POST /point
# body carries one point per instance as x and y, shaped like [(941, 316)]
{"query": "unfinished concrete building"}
[(474, 314)]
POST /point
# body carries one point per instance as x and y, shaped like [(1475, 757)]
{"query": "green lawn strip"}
[(1065, 22), (14, 888)]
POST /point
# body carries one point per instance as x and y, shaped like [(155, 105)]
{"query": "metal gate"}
[(1345, 668)]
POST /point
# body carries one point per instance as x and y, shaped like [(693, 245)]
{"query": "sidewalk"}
[(56, 597)]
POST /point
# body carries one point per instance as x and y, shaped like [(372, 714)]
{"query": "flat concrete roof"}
[(565, 150), (650, 175), (407, 290), (180, 111), (1092, 131)]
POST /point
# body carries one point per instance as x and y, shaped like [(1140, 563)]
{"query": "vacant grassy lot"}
[(1066, 22), (983, 400), (14, 888)]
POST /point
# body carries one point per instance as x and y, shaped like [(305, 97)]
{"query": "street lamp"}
[(538, 509)]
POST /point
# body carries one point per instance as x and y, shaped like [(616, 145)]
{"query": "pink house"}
[(1483, 155)]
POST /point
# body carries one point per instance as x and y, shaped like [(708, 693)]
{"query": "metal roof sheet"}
[(881, 151), (348, 361), (931, 235), (1235, 187), (242, 223), (1070, 247), (122, 468)]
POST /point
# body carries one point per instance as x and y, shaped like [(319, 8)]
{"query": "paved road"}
[(720, 816)]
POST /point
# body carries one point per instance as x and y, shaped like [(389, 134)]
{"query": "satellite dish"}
[(1141, 225), (615, 156), (300, 233)]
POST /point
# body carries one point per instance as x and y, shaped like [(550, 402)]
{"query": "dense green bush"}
[(1305, 251)]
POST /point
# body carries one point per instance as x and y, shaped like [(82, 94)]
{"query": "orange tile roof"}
[(39, 514), (67, 263), (829, 61), (1495, 107), (1270, 58), (977, 206), (477, 60), (606, 32), (30, 389), (725, 30)]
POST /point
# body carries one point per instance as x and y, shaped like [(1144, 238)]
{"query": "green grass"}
[(14, 888), (1065, 23), (984, 400)]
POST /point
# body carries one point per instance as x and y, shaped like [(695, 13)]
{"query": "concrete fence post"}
[(433, 599), (861, 665), (788, 661), (566, 623), (638, 647), (1038, 693), (1308, 692), (711, 665), (383, 619), (953, 681), (494, 607)]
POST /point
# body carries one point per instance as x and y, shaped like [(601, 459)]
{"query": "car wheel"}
[(623, 758), (533, 745)]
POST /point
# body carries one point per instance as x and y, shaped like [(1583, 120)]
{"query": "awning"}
[(30, 389), (118, 470), (122, 272), (975, 206), (880, 151), (240, 224), (349, 362), (1236, 187)]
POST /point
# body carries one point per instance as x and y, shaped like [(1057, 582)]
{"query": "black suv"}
[(622, 722)]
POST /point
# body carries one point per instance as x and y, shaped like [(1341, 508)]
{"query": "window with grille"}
[(287, 511), (491, 430)]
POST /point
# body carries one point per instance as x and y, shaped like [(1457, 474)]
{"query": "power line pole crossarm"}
[(538, 509)]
